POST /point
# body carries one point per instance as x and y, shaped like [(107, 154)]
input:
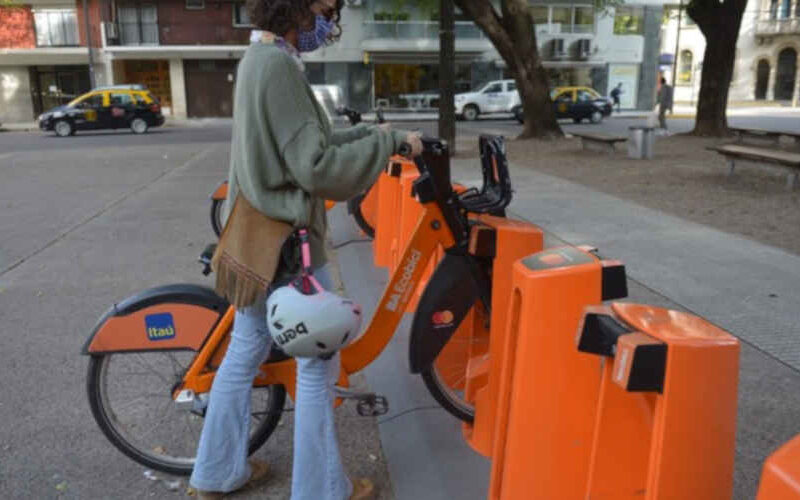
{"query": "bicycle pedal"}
[(373, 407)]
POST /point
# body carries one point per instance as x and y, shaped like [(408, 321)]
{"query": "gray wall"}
[(15, 95), (649, 70)]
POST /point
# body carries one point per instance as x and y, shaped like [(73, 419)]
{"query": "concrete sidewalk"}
[(741, 285)]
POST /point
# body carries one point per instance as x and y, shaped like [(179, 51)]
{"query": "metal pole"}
[(447, 74), (677, 44), (89, 43)]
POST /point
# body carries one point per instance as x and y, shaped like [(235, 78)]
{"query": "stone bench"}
[(606, 142), (786, 159), (763, 136)]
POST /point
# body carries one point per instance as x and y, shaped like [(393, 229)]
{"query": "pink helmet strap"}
[(309, 284)]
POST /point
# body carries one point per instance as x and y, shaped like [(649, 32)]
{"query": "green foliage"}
[(400, 10)]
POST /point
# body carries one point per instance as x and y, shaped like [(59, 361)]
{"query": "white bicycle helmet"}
[(311, 325)]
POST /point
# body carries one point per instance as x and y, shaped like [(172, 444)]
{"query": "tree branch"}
[(487, 18)]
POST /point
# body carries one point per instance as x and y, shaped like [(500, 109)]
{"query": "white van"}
[(499, 96)]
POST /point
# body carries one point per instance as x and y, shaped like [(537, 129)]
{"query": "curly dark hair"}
[(282, 16)]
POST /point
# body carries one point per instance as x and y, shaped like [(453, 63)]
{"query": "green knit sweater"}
[(285, 157)]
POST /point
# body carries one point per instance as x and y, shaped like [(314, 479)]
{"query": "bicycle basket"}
[(495, 194)]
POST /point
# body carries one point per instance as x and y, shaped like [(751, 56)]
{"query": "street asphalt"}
[(84, 228), (89, 220)]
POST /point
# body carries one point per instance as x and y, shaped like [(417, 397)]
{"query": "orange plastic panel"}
[(679, 443), (388, 197), (548, 391), (163, 326), (780, 479), (369, 206), (514, 240)]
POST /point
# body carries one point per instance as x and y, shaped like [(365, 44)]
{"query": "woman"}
[(285, 161)]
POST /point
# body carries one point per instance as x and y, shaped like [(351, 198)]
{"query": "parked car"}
[(499, 96), (577, 103), (114, 107)]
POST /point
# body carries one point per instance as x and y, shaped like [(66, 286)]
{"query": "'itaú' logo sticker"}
[(160, 326), (405, 281)]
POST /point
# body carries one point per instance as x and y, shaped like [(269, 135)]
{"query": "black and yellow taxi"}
[(114, 107), (576, 103)]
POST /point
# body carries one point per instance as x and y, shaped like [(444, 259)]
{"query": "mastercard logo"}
[(443, 318)]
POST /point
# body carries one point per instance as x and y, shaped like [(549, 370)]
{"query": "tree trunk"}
[(715, 83), (534, 93), (447, 74), (720, 24), (514, 37)]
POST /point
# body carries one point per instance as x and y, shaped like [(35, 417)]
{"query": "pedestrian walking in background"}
[(615, 95), (665, 102)]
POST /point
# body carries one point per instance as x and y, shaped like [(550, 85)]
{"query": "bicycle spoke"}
[(161, 419), (138, 357), (177, 368)]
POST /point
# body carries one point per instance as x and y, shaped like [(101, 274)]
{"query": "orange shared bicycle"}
[(153, 357)]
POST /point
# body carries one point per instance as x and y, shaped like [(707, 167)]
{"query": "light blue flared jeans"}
[(317, 470)]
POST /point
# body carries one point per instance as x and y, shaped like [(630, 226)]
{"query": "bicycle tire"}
[(112, 427), (442, 394), (354, 208), (439, 352), (150, 458), (216, 216)]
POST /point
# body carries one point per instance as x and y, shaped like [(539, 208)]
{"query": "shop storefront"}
[(414, 86), (152, 73), (53, 86)]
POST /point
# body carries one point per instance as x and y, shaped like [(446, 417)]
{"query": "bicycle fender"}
[(166, 317), (450, 294), (221, 192)]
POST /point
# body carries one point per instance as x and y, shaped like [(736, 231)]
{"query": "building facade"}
[(767, 53), (42, 63), (186, 52)]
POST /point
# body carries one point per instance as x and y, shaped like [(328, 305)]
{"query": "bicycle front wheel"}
[(130, 395), (446, 377)]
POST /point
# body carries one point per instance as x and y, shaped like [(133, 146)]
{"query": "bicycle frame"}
[(430, 233), (443, 221)]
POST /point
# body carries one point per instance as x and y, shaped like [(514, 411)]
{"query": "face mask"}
[(309, 41)]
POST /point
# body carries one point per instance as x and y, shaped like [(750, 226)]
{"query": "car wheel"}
[(597, 117), (138, 126), (519, 114), (471, 112), (63, 128)]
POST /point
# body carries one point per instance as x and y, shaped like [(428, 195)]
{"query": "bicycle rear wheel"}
[(130, 395)]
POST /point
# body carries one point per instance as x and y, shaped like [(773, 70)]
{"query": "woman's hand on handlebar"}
[(412, 147)]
